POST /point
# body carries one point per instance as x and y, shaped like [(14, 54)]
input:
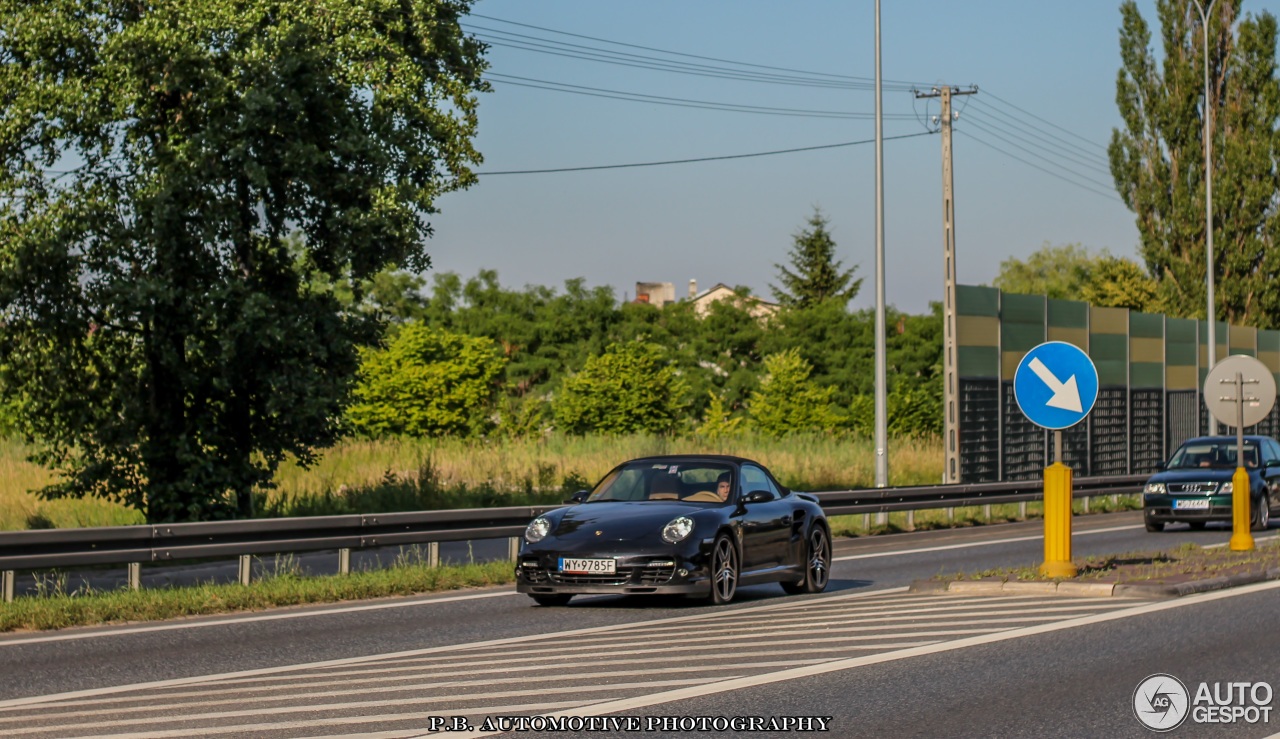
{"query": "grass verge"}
[(86, 607), (1184, 563)]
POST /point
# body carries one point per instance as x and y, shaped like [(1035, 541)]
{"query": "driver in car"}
[(722, 486)]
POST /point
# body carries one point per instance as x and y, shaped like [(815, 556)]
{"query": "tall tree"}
[(1071, 272), (168, 347), (1157, 158), (815, 275)]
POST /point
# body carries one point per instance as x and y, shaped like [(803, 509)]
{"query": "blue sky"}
[(1046, 77)]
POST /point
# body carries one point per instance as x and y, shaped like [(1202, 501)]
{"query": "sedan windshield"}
[(701, 482), (1212, 454)]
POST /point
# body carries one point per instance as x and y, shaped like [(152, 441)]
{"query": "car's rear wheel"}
[(558, 599), (817, 569), (1260, 516), (724, 570), (1154, 526)]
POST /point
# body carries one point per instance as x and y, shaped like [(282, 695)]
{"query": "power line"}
[(1040, 142), (1037, 154), (672, 101), (701, 159), (688, 56), (1042, 120), (1107, 195), (638, 61), (1048, 137)]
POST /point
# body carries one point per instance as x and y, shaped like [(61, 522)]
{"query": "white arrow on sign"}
[(1065, 394)]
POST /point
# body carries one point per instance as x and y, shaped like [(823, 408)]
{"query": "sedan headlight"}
[(537, 530), (1227, 487), (1154, 487), (677, 530)]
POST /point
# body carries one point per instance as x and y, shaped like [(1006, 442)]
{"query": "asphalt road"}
[(898, 698)]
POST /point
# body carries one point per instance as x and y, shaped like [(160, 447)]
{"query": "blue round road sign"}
[(1056, 385)]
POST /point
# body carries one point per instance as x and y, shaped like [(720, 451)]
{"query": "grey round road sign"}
[(1259, 390)]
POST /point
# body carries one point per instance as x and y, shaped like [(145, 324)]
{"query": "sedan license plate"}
[(1195, 504), (588, 566)]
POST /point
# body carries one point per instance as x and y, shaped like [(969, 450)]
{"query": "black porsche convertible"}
[(696, 525)]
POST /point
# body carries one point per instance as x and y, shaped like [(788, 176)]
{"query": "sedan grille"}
[(1193, 488)]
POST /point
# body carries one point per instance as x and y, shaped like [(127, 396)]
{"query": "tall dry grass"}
[(491, 468)]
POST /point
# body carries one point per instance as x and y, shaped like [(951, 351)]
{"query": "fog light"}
[(682, 572)]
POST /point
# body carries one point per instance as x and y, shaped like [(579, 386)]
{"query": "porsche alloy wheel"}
[(724, 570), (817, 566)]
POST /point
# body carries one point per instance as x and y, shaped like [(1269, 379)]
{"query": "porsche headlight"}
[(1154, 487), (678, 529), (1227, 487), (537, 530)]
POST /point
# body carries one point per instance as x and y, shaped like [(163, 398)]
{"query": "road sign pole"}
[(1057, 516), (1056, 386), (1241, 539)]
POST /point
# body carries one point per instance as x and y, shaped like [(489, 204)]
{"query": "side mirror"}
[(1161, 466), (578, 497), (759, 496)]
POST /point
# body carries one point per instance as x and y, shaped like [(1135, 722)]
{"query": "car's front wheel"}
[(1154, 526), (724, 570), (1260, 516), (817, 570), (558, 599)]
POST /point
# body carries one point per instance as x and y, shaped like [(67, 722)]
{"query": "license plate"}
[(1193, 505), (588, 566)]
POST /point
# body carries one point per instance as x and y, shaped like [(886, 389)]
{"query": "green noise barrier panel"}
[(1151, 369)]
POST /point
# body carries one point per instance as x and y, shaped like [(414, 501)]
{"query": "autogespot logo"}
[(1160, 702)]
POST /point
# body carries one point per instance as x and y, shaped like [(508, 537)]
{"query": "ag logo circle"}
[(1161, 702)]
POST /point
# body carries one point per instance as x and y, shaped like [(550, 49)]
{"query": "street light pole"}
[(1208, 191), (881, 406)]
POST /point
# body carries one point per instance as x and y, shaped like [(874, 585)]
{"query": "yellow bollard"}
[(1057, 522), (1241, 539)]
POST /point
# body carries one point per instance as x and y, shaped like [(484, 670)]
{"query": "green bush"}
[(628, 389), (426, 382), (788, 402)]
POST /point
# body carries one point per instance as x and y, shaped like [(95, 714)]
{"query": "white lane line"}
[(171, 702), (733, 684), (349, 706), (247, 619), (1011, 540), (422, 717), (197, 679)]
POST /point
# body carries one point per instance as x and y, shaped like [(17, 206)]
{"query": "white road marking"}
[(742, 683), (1011, 540), (312, 723), (174, 682), (317, 708)]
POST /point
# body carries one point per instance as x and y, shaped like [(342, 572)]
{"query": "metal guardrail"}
[(131, 545)]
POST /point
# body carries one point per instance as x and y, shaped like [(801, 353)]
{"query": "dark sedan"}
[(1195, 485), (695, 525)]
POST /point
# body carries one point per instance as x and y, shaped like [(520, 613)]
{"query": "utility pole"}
[(951, 421)]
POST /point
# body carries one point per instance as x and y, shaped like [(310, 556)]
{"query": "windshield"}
[(1212, 454), (699, 482)]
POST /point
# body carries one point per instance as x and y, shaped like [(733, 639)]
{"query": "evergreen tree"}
[(815, 275), (1157, 158)]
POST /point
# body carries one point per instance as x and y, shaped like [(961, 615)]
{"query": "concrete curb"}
[(1088, 589)]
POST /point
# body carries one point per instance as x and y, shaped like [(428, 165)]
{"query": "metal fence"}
[(1151, 369), (133, 545)]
